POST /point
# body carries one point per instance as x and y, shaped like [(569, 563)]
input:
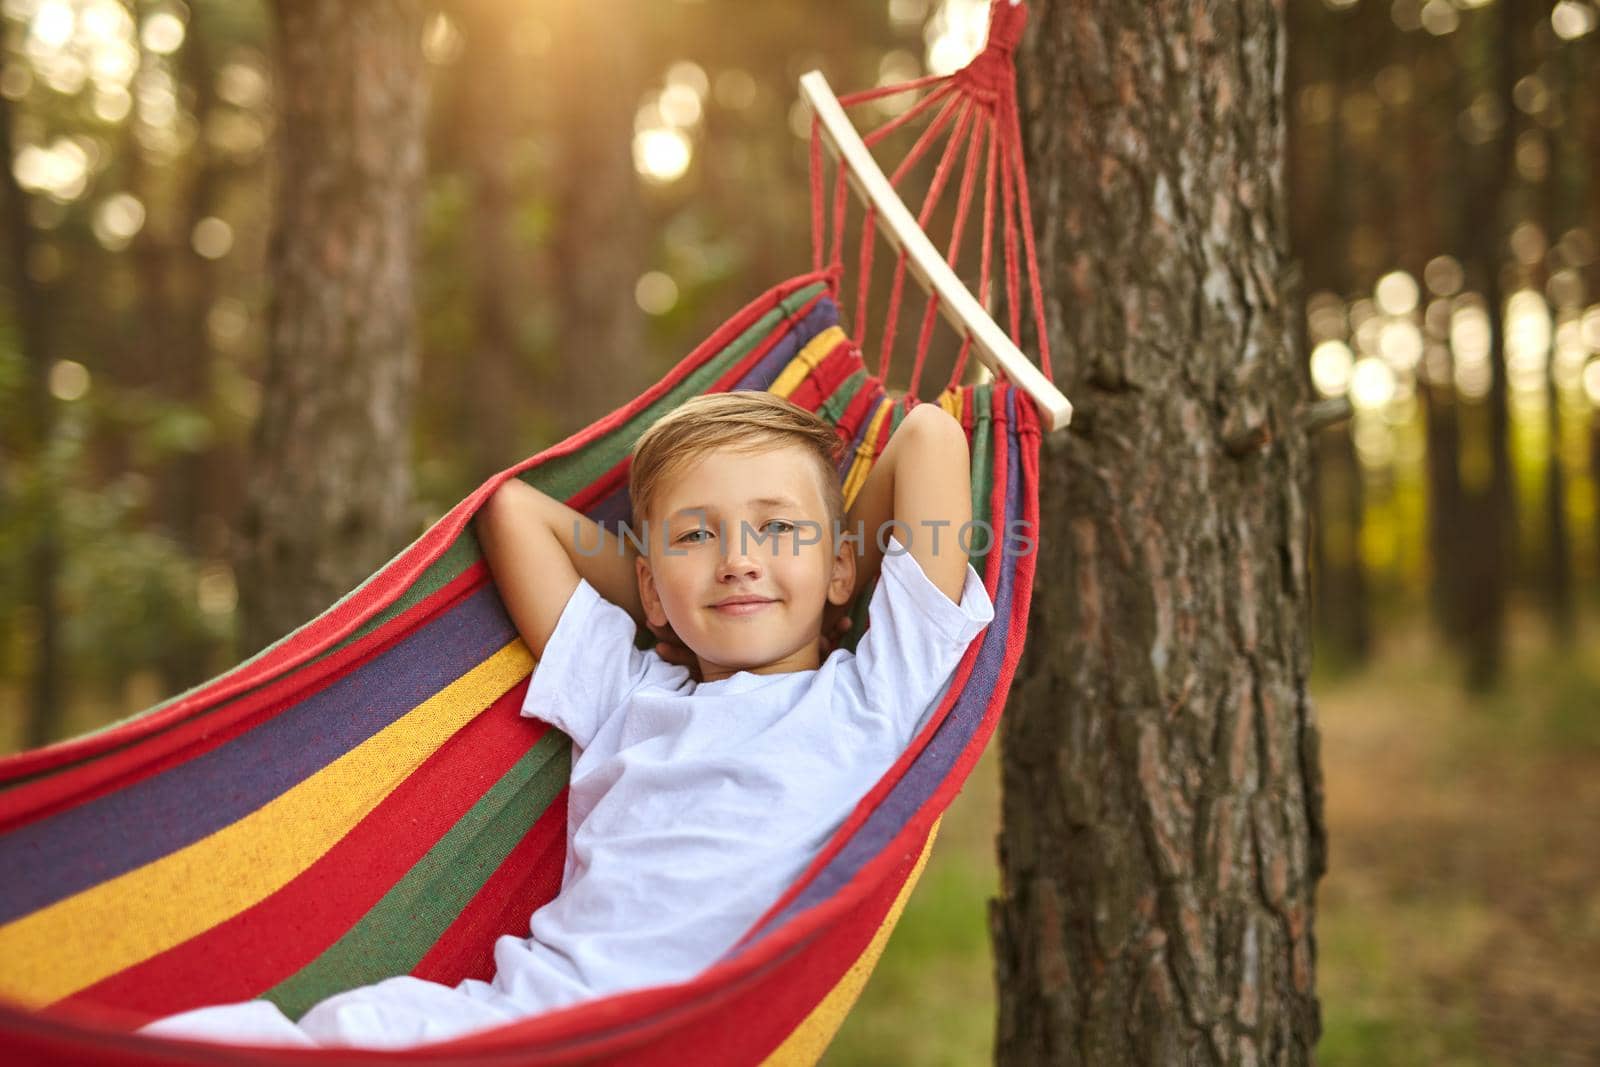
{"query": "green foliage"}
[(129, 596)]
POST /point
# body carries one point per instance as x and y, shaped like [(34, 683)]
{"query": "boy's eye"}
[(785, 523), (692, 533)]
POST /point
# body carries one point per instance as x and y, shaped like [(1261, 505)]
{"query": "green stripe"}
[(833, 408), (403, 926), (982, 468)]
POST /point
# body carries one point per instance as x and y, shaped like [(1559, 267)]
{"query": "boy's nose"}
[(739, 561)]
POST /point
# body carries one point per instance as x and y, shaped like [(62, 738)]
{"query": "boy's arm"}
[(923, 480), (531, 543)]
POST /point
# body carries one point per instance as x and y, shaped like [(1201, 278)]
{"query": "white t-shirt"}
[(691, 807)]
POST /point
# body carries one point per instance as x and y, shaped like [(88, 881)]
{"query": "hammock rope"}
[(978, 106)]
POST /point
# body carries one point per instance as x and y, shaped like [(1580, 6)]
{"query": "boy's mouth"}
[(741, 605)]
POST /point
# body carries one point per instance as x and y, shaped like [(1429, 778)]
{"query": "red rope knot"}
[(1006, 23), (991, 76)]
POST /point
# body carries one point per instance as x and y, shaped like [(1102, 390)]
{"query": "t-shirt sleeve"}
[(589, 667), (915, 636)]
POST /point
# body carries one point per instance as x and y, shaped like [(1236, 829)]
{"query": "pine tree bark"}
[(1163, 831), (330, 496)]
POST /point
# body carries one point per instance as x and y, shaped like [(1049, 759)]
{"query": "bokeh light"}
[(955, 34), (662, 154), (1331, 362), (1469, 341), (1371, 384), (1572, 20), (117, 219), (212, 237), (162, 33), (656, 293), (1396, 293), (69, 379)]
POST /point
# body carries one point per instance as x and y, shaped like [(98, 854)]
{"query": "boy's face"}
[(741, 525)]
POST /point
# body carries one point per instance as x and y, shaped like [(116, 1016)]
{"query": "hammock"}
[(362, 798)]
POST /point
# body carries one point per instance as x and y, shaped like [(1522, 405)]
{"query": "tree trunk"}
[(330, 494), (1340, 604), (1163, 830), (1488, 535), (598, 249), (488, 112), (183, 292), (1559, 207)]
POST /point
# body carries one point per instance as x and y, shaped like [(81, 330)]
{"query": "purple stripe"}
[(861, 431), (58, 856), (932, 765), (613, 509)]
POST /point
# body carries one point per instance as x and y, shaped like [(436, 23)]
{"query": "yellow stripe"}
[(76, 942), (864, 457), (808, 1041), (806, 361)]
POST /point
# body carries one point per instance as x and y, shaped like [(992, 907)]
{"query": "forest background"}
[(621, 185)]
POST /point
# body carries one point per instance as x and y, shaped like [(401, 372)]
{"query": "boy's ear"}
[(843, 578), (647, 593)]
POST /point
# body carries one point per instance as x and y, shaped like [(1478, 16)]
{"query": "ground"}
[(1459, 922)]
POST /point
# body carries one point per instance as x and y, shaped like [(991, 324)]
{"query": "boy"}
[(706, 774)]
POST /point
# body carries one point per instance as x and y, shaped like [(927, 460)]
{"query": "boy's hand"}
[(670, 647), (835, 621)]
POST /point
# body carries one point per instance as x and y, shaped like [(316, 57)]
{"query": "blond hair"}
[(745, 421)]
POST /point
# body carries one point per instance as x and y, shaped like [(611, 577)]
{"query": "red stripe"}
[(860, 407), (528, 879), (265, 944), (832, 371), (185, 740)]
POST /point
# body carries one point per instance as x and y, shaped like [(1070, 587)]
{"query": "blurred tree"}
[(1487, 550), (1163, 830), (170, 349), (1557, 210), (489, 117), (1340, 600), (591, 88), (330, 492), (28, 440)]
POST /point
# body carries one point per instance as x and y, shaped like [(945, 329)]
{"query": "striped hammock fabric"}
[(362, 799)]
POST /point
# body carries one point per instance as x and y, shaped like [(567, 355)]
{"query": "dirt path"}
[(1460, 918)]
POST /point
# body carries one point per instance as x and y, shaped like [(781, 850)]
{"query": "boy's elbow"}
[(934, 422), (937, 432)]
